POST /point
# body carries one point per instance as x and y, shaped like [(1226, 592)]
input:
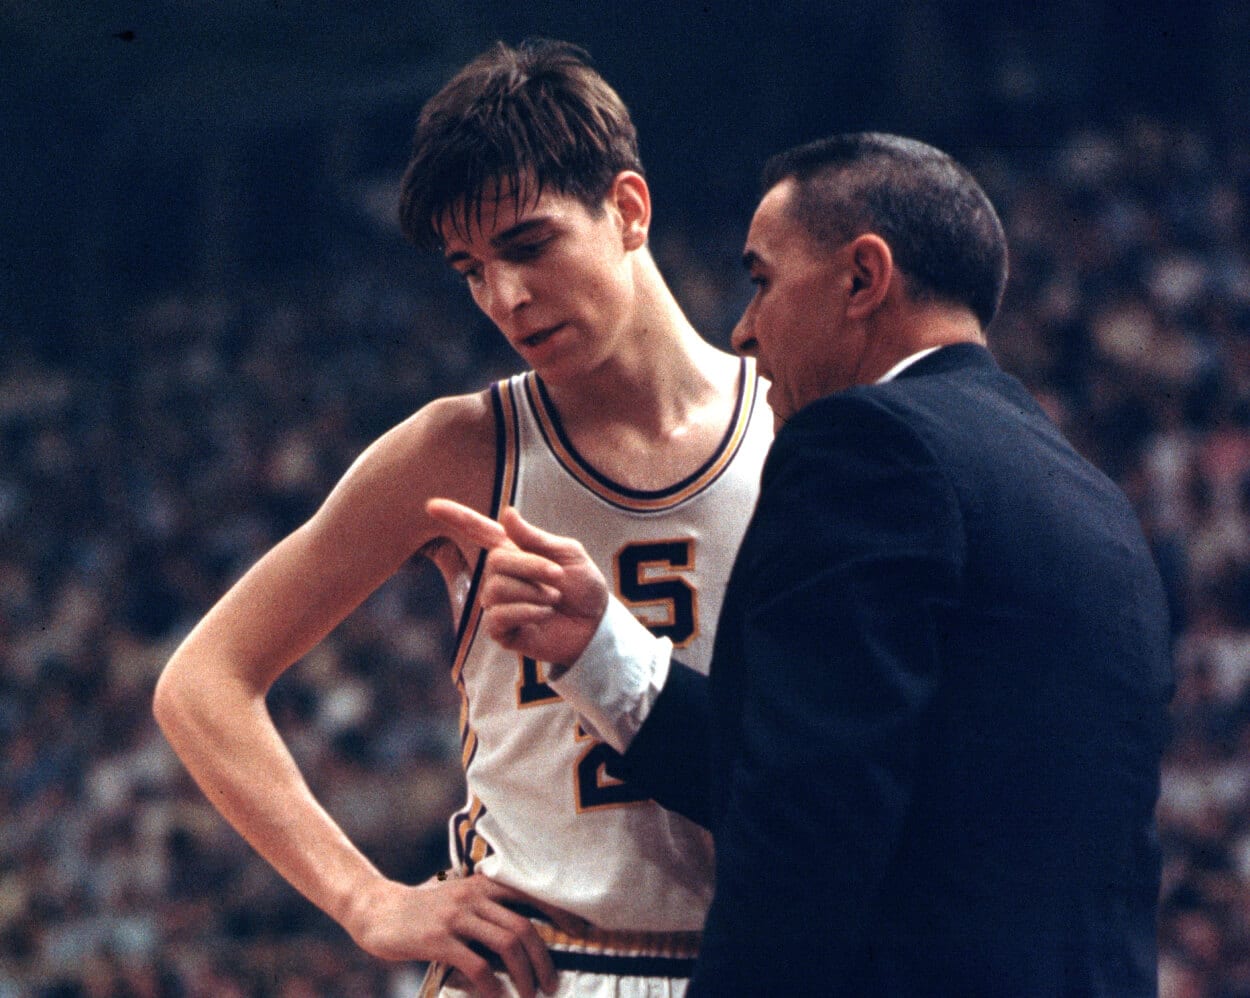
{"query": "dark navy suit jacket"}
[(935, 713)]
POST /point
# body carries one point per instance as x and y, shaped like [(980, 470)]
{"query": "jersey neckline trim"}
[(639, 500)]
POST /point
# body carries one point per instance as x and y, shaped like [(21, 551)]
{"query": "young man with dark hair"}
[(628, 429), (929, 745)]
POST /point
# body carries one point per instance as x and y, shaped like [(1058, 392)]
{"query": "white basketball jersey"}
[(542, 813)]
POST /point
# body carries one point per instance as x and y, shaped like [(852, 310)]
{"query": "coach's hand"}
[(445, 920), (542, 595)]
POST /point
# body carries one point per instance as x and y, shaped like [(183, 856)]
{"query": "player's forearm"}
[(223, 733)]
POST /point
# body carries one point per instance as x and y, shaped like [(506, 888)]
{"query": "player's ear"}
[(631, 198), (871, 270)]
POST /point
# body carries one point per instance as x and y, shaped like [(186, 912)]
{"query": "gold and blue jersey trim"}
[(591, 950), (503, 493), (638, 500), (471, 846), (621, 942)]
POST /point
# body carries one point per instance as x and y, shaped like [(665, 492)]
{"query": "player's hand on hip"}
[(542, 595), (453, 921)]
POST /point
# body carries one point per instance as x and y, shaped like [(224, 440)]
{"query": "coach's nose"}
[(743, 337)]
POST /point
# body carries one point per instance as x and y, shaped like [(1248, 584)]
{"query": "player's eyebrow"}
[(518, 230), (751, 260), (501, 239)]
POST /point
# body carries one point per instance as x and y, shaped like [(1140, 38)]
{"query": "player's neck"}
[(660, 369)]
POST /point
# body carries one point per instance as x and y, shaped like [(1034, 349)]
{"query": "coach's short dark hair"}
[(515, 122), (944, 233)]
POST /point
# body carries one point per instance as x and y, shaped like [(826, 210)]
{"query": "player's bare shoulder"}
[(445, 448), (448, 444)]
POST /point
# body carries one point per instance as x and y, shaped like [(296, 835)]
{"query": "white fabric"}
[(542, 814), (614, 683), (904, 364)]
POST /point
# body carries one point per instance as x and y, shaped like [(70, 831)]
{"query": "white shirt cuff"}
[(614, 683)]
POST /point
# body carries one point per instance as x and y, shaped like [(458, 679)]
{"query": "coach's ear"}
[(870, 271), (631, 198)]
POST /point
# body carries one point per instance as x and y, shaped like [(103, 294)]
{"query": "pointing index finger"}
[(467, 524)]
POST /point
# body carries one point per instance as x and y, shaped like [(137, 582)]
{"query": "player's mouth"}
[(542, 336)]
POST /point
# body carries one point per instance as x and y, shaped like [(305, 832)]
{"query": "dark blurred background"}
[(206, 312)]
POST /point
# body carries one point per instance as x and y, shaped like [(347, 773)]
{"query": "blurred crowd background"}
[(206, 312)]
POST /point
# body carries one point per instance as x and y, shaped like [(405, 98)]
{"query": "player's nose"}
[(506, 289)]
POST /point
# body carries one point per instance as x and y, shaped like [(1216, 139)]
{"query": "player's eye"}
[(520, 252)]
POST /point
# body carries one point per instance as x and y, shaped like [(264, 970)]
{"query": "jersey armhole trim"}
[(503, 493)]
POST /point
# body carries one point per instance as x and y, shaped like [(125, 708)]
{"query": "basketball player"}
[(628, 431)]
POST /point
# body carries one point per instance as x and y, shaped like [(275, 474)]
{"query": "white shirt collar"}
[(905, 363)]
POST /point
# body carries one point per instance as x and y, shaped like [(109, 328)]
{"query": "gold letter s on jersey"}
[(648, 575)]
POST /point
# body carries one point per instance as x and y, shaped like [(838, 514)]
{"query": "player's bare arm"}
[(210, 700)]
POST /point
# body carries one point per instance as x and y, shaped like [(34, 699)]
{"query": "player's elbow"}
[(175, 700), (166, 699), (200, 695)]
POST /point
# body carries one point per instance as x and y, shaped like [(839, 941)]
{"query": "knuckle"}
[(483, 982), (518, 926), (513, 952), (499, 630)]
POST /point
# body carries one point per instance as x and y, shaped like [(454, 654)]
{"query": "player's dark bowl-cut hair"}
[(941, 228), (513, 123)]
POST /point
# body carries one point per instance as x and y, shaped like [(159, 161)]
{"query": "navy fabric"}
[(936, 709)]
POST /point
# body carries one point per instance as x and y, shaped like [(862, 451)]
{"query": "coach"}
[(937, 700)]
